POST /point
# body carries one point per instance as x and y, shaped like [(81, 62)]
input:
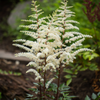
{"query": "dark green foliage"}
[(0, 95), (53, 87), (64, 90), (51, 91), (85, 60), (93, 97)]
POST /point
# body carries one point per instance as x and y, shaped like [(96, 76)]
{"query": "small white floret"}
[(49, 82)]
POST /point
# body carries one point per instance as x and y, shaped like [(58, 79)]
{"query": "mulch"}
[(14, 85)]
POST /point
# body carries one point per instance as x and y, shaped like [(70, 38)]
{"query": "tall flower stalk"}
[(55, 44)]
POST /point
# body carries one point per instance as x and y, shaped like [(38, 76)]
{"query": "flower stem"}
[(40, 87), (44, 84), (58, 83), (44, 90)]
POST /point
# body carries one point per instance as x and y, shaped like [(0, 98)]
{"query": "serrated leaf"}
[(69, 81), (87, 98), (94, 96)]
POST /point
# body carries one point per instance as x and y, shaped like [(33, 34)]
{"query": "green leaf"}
[(78, 68), (52, 40), (87, 98), (76, 72), (69, 81), (67, 99), (98, 93), (61, 87), (68, 76), (65, 88), (65, 95), (83, 69), (10, 72), (86, 56), (94, 96), (36, 84), (29, 95), (18, 73), (87, 46), (91, 57), (61, 98), (5, 73), (53, 87), (52, 97), (56, 76), (93, 67), (69, 71)]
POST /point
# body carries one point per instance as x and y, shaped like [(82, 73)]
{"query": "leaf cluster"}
[(93, 97)]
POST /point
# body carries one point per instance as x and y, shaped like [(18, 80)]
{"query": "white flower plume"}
[(36, 73), (49, 82), (55, 40)]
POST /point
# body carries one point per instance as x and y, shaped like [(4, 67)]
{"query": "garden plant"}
[(55, 45)]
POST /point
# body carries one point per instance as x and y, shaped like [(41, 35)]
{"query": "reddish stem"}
[(40, 87), (58, 83), (44, 79)]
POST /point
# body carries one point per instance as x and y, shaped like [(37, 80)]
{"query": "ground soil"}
[(16, 86)]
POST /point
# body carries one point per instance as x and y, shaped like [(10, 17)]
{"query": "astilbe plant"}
[(55, 44)]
